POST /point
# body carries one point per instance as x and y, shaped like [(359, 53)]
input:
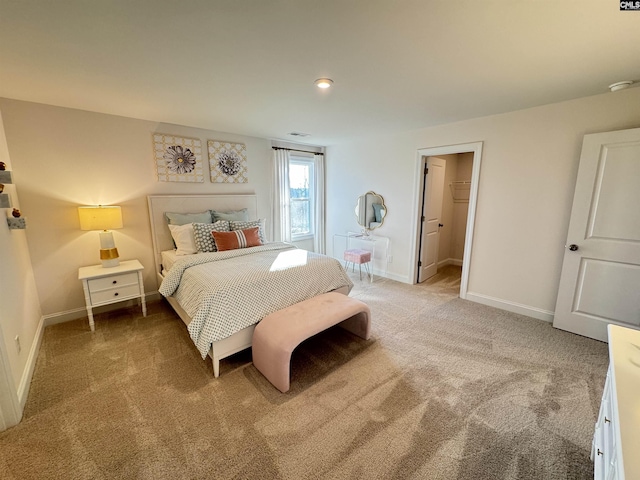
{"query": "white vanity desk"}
[(370, 212), (616, 441)]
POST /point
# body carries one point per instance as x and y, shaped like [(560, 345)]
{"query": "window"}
[(302, 195)]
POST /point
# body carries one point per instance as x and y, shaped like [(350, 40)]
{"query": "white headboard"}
[(159, 204)]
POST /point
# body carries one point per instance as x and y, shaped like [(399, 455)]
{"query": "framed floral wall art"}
[(227, 162), (177, 159)]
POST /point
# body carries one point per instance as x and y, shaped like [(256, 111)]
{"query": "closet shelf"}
[(5, 176), (460, 190), (5, 201), (17, 223)]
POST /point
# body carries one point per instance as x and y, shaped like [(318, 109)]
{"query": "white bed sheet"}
[(169, 257)]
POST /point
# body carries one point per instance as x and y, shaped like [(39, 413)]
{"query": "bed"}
[(222, 296)]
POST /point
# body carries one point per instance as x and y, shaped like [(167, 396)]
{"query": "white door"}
[(431, 216), (600, 281)]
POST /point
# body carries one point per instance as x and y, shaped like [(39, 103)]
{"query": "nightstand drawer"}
[(112, 281), (115, 294)]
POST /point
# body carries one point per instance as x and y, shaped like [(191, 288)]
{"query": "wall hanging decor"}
[(19, 223), (227, 162), (177, 159)]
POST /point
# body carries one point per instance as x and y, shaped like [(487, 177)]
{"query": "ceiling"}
[(248, 66)]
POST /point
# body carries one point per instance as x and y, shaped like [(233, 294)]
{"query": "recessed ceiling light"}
[(614, 87), (323, 82)]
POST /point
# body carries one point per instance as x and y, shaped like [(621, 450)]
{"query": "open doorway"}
[(446, 197)]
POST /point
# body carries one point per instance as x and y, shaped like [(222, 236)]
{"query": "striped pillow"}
[(237, 239), (237, 225)]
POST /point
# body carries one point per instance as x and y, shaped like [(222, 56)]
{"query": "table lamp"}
[(103, 218)]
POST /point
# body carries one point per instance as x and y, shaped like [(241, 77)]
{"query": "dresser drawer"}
[(617, 434), (113, 281), (115, 294)]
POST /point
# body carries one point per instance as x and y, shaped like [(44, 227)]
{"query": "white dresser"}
[(616, 441)]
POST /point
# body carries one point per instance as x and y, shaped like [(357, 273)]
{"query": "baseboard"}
[(76, 313), (66, 316), (513, 307), (25, 381), (449, 261), (397, 278), (391, 276)]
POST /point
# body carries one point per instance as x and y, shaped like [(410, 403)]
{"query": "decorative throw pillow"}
[(237, 239), (202, 234), (184, 218), (183, 239), (236, 215), (235, 225)]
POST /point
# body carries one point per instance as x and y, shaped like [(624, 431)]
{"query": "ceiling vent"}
[(299, 134)]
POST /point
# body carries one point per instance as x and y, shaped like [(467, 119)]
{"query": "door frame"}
[(476, 149), (10, 408)]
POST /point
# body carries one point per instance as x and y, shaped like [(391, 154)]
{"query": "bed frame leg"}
[(216, 367)]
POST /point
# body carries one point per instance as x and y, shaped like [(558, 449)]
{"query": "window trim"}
[(306, 161)]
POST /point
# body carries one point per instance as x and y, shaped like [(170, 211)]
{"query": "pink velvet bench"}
[(279, 333)]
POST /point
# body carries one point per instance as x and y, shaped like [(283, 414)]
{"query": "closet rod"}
[(295, 150)]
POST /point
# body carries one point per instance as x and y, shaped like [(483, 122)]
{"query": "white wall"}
[(20, 313), (528, 171), (64, 158)]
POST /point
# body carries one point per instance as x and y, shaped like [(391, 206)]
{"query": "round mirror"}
[(370, 210)]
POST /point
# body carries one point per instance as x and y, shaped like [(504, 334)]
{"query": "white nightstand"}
[(103, 286)]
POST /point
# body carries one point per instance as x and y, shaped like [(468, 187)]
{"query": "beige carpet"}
[(446, 389)]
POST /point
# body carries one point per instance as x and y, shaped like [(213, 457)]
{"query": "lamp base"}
[(113, 262), (109, 257)]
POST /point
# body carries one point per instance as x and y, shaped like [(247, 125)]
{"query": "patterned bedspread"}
[(224, 292)]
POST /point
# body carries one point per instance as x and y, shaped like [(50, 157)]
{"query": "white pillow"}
[(184, 239)]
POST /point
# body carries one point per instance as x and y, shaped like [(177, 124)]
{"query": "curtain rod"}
[(295, 150)]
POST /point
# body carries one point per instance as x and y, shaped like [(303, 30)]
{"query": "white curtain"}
[(281, 201), (318, 238)]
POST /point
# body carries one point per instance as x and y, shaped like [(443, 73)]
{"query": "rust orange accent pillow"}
[(237, 239)]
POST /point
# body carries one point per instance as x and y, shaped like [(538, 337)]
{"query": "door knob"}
[(440, 225), (573, 247)]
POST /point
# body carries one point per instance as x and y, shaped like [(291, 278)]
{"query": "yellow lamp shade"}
[(100, 217), (103, 218)]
